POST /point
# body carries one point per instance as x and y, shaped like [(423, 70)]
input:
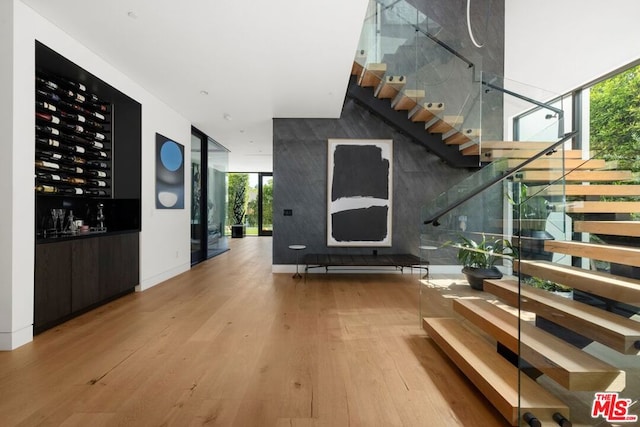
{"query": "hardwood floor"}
[(231, 344)]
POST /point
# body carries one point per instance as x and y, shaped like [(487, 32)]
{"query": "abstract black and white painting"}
[(359, 193), (169, 174)]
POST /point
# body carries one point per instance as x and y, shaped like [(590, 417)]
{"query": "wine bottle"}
[(46, 106), (49, 142), (48, 118), (97, 173), (45, 176), (47, 130), (47, 83), (98, 164), (43, 164), (47, 95), (98, 183), (76, 180), (48, 155), (43, 188)]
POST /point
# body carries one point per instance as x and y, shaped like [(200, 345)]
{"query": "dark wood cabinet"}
[(75, 275), (52, 294)]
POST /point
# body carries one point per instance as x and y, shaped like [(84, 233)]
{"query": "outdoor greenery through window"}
[(243, 199), (615, 119)]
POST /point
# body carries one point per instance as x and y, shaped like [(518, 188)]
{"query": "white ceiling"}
[(256, 59)]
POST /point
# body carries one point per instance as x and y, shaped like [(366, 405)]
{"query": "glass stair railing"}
[(418, 80), (562, 315)]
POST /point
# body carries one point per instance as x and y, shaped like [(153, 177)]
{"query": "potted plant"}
[(238, 202), (531, 213), (479, 258)]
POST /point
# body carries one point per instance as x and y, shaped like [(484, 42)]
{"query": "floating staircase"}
[(602, 312)]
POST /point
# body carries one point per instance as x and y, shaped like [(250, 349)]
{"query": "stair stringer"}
[(415, 130)]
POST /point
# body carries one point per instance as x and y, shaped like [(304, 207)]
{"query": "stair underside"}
[(600, 283), (558, 164), (496, 378), (577, 175), (617, 332), (569, 366)]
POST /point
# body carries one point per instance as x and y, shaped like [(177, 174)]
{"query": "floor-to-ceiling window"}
[(209, 162), (252, 195)]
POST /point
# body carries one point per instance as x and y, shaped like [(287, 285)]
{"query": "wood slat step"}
[(559, 163), (490, 154), (625, 255), (611, 228), (473, 150), (617, 332), (578, 175), (587, 190), (372, 75), (407, 99), (426, 111), (448, 123), (566, 364), (601, 207), (606, 285), (494, 376), (356, 69), (390, 86), (462, 137), (516, 145)]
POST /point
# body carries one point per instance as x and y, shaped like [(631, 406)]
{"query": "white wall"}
[(560, 45), (165, 237)]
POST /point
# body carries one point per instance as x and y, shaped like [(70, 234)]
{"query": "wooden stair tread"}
[(577, 175), (426, 111), (602, 207), (612, 330), (559, 163), (446, 124), (495, 377), (517, 145), (390, 86), (463, 136), (569, 366), (407, 99), (489, 153), (600, 283), (588, 190), (625, 255), (611, 228), (372, 74)]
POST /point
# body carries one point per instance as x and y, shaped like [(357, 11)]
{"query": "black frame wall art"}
[(169, 173), (359, 192)]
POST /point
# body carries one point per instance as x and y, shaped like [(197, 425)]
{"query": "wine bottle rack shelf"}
[(73, 153)]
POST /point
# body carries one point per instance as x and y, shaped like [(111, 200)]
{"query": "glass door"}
[(265, 204), (197, 193)]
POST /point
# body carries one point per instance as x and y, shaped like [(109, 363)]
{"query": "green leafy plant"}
[(547, 285), (483, 253)]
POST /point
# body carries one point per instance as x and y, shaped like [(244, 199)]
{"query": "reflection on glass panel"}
[(196, 193), (217, 161)]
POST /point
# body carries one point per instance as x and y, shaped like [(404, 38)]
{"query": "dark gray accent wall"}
[(300, 181)]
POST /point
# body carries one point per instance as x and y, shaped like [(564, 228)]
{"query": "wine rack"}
[(73, 153)]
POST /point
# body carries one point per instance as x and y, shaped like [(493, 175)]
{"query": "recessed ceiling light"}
[(227, 116), (131, 14), (204, 92)]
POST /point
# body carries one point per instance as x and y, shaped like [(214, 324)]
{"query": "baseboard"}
[(166, 275), (12, 340)]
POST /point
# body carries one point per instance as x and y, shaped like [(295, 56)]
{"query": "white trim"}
[(166, 275), (12, 340)]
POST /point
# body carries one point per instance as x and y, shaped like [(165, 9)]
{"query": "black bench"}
[(398, 261)]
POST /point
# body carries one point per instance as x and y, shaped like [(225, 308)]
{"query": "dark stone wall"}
[(300, 146), (300, 181)]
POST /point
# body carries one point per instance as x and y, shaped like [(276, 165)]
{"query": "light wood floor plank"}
[(231, 344)]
